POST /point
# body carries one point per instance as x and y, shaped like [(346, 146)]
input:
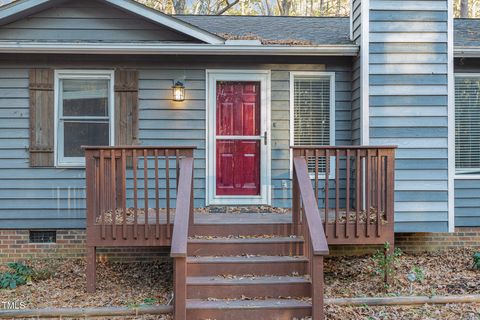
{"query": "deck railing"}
[(309, 225), (354, 190), (131, 194), (183, 219)]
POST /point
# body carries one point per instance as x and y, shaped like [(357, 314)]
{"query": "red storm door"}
[(238, 138)]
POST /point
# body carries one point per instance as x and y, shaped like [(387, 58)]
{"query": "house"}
[(396, 85)]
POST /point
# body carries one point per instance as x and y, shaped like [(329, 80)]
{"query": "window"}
[(467, 124), (43, 236), (312, 112), (83, 106)]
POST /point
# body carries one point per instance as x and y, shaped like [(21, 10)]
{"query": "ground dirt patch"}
[(133, 284)]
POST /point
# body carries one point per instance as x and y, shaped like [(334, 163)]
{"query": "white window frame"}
[(466, 174), (321, 175), (60, 160)]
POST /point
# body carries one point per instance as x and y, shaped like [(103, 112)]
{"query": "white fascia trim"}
[(365, 74), (187, 49), (451, 121), (18, 7), (166, 20), (466, 52), (351, 20), (130, 6)]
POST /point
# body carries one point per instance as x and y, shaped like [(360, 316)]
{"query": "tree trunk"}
[(179, 6), (464, 9), (284, 7)]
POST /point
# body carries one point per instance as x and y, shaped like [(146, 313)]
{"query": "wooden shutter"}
[(41, 118), (126, 107)]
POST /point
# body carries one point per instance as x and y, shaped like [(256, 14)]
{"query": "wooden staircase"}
[(241, 269), (262, 276)]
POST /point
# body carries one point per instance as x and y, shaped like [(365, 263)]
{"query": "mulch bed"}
[(446, 273), (118, 284)]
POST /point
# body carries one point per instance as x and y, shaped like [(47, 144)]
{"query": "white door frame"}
[(263, 76)]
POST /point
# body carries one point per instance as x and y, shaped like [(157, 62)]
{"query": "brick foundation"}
[(15, 245), (419, 242)]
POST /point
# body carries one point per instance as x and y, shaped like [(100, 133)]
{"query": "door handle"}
[(265, 137)]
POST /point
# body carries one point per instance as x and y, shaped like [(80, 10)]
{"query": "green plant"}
[(11, 280), (476, 260), (385, 262), (419, 273), (22, 270), (20, 275), (150, 301)]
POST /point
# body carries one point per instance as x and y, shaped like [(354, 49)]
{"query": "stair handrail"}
[(308, 223), (183, 219)]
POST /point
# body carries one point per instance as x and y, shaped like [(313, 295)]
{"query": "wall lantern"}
[(178, 91)]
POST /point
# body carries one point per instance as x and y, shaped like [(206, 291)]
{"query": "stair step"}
[(247, 286), (237, 228), (241, 265), (245, 245), (269, 309)]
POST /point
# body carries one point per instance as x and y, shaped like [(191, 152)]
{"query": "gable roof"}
[(22, 8), (277, 29)]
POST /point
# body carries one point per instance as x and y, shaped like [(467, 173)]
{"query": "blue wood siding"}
[(408, 106), (87, 20), (467, 192), (55, 198)]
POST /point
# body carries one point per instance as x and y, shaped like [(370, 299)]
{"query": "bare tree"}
[(179, 6), (464, 11), (284, 7)]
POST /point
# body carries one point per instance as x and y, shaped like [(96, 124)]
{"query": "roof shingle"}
[(275, 29)]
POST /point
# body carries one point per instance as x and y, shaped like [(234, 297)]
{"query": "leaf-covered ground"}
[(117, 285), (445, 273)]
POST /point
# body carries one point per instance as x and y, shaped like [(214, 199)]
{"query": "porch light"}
[(178, 91)]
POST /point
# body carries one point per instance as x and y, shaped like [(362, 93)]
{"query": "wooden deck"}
[(143, 196)]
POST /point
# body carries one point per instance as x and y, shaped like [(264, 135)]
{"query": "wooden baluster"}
[(358, 196), (379, 190), (135, 194), (157, 196), (368, 193), (102, 192), (327, 176), (145, 191), (390, 186), (113, 182), (295, 204), (167, 191), (347, 198), (337, 189), (124, 193)]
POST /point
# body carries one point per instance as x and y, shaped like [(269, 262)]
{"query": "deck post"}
[(296, 205), (91, 269), (180, 285), (317, 288)]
